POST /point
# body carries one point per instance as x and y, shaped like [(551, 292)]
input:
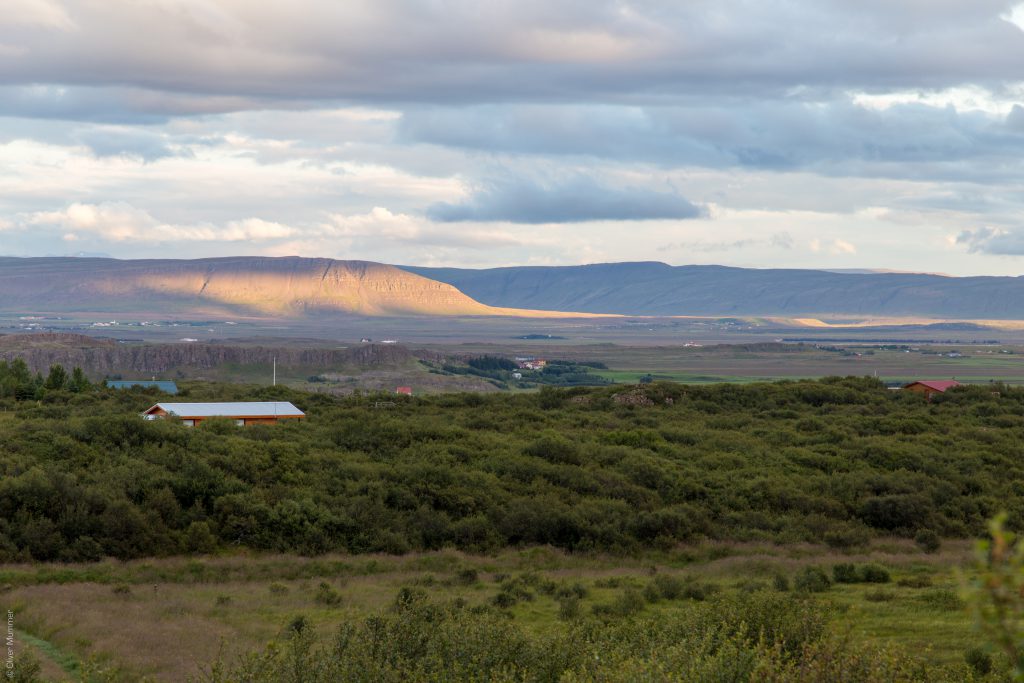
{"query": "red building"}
[(249, 413), (931, 387), (406, 391)]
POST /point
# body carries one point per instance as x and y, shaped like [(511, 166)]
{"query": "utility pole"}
[(275, 371)]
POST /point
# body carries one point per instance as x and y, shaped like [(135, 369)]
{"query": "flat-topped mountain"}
[(301, 287), (286, 286), (651, 288)]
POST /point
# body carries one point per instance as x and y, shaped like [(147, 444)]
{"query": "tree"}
[(57, 379), (79, 382)]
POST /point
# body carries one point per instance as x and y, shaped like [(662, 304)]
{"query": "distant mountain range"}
[(651, 288), (244, 285), (294, 286)]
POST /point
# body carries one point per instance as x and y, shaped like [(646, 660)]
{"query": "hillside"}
[(286, 286), (100, 357), (651, 288), (294, 287)]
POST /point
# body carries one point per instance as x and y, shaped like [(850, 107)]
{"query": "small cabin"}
[(405, 391), (931, 387), (243, 413), (164, 385)]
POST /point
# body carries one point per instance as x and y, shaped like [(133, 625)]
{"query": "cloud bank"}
[(871, 134)]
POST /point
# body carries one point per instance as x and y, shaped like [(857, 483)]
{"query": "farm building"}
[(407, 391), (256, 412), (931, 387), (166, 386)]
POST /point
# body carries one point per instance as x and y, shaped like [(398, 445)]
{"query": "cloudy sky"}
[(765, 133)]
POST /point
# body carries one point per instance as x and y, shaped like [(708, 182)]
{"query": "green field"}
[(170, 619)]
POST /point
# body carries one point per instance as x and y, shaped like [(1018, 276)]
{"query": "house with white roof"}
[(243, 413)]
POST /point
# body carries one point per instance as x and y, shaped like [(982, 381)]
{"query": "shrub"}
[(697, 590), (504, 600), (928, 540), (879, 595), (327, 595), (278, 588), (780, 582), (812, 580), (845, 573), (297, 624), (847, 537), (467, 577), (628, 602), (665, 587), (569, 608), (979, 660), (914, 582), (199, 538), (873, 573), (576, 589)]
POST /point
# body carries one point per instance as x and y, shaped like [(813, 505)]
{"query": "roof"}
[(936, 384), (241, 409), (166, 386)]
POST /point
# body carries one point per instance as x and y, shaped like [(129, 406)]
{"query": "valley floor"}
[(169, 619)]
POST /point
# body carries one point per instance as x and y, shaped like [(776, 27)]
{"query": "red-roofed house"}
[(404, 390), (931, 387)]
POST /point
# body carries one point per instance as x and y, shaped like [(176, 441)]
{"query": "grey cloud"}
[(141, 144), (627, 51), (120, 105), (779, 135), (574, 200), (989, 240)]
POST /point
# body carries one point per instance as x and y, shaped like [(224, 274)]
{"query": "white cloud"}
[(42, 13), (382, 226), (121, 222), (1015, 16)]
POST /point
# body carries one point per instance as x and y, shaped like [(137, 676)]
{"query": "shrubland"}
[(610, 469)]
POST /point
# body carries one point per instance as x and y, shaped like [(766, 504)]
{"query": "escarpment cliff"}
[(244, 285), (102, 356)]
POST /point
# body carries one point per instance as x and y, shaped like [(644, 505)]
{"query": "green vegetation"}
[(503, 372), (843, 460), (18, 382), (762, 635), (167, 617), (790, 531)]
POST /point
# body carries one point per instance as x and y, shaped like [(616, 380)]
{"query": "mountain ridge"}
[(254, 285), (293, 286), (658, 289)]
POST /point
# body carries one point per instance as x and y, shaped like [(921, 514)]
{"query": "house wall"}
[(919, 388), (193, 421)]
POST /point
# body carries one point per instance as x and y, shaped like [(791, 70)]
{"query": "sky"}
[(831, 134)]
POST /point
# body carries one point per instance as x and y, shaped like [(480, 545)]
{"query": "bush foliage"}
[(762, 636), (83, 477)]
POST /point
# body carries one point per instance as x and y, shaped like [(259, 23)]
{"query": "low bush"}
[(327, 595), (811, 580)]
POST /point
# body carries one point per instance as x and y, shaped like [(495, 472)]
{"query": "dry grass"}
[(165, 619)]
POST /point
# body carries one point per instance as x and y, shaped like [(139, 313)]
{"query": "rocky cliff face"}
[(101, 357), (288, 286)]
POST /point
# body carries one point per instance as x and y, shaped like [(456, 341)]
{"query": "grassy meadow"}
[(169, 619)]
